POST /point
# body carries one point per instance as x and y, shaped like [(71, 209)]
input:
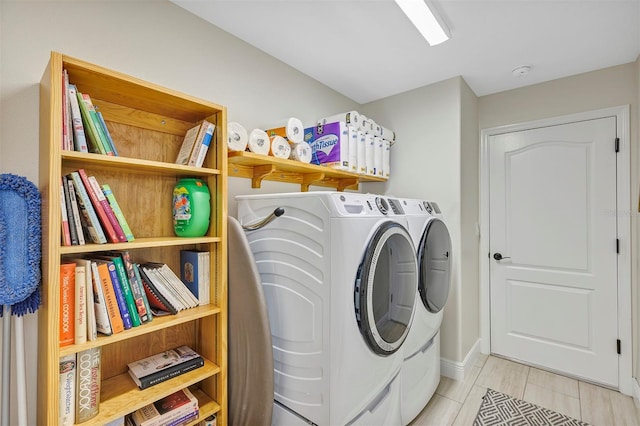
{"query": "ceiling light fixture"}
[(424, 20)]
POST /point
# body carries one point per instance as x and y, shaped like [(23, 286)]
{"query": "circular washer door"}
[(385, 288), (434, 257)]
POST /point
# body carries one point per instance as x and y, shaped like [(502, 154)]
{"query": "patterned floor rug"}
[(500, 409)]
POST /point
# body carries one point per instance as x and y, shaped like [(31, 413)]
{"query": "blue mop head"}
[(20, 242)]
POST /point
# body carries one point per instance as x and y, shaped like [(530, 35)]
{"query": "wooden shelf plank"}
[(261, 167), (138, 243)]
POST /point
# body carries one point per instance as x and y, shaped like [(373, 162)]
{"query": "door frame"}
[(624, 209)]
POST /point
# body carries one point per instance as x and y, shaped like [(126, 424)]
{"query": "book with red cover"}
[(97, 189), (67, 303), (99, 209)]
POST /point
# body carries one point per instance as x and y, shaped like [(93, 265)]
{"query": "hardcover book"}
[(73, 211), (111, 302), (113, 202), (202, 144), (64, 217), (194, 273), (95, 187), (137, 290), (164, 366), (80, 313), (103, 322), (87, 384), (79, 137), (90, 295), (86, 208), (67, 390), (118, 291), (67, 307), (188, 144), (126, 287), (99, 208), (173, 409)]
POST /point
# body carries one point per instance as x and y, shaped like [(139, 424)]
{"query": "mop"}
[(19, 278)]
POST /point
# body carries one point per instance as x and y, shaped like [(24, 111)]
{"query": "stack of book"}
[(164, 366), (196, 144), (90, 212), (83, 126), (79, 386), (165, 291), (179, 408), (102, 293)]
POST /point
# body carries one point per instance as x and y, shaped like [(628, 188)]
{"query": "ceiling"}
[(368, 49)]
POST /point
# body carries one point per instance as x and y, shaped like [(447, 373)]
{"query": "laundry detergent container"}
[(191, 208)]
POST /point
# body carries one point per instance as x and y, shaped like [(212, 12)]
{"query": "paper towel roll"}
[(238, 138), (376, 129), (361, 158), (293, 130), (280, 147), (386, 153), (352, 118), (353, 149), (369, 152), (388, 134), (301, 152), (377, 155), (364, 123), (259, 142)]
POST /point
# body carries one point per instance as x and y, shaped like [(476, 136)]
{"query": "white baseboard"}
[(456, 370)]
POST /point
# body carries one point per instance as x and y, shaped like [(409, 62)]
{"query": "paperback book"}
[(164, 366), (174, 409)]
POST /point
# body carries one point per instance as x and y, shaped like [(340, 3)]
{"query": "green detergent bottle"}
[(191, 208)]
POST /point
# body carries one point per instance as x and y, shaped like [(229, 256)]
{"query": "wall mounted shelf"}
[(261, 167)]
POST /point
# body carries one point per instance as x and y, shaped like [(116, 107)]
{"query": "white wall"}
[(155, 41)]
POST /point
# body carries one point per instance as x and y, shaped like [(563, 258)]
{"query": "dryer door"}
[(434, 258), (386, 288)]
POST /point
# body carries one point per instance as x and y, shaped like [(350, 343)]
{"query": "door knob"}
[(498, 256)]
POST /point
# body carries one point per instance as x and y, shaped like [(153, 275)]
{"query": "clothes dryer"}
[(421, 366), (340, 277)]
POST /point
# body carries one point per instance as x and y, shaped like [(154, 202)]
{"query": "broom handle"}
[(6, 363), (21, 386)]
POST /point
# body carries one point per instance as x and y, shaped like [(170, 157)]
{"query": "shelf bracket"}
[(261, 172), (309, 179), (346, 183)]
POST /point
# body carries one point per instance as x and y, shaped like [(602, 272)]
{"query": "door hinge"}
[(617, 145), (617, 245), (618, 344)]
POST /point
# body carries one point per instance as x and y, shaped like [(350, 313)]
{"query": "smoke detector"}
[(521, 71)]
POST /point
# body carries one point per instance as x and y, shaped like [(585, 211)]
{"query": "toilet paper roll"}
[(361, 153), (259, 142), (293, 130), (280, 147), (388, 134), (238, 138), (369, 152), (377, 155), (353, 148), (386, 159), (352, 118), (301, 152)]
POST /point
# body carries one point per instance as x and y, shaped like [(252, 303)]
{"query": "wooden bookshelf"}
[(147, 123), (262, 167)]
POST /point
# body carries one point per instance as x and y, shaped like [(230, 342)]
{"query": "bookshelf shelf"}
[(147, 124), (261, 167)]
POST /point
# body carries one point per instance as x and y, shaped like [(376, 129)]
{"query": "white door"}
[(552, 218)]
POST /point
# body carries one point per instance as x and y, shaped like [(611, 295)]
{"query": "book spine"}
[(155, 298), (103, 323), (88, 282), (127, 291), (190, 271), (67, 308), (171, 372), (88, 384), (111, 302), (75, 211), (119, 292), (84, 202), (96, 124), (65, 111), (108, 193), (106, 132), (185, 419), (89, 127), (79, 138), (206, 131), (97, 190), (205, 145), (139, 297), (188, 144), (67, 390), (163, 287), (64, 215), (97, 206), (80, 313)]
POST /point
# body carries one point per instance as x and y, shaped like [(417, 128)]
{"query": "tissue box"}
[(329, 144)]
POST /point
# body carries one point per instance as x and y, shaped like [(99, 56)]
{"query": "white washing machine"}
[(340, 276), (421, 367)]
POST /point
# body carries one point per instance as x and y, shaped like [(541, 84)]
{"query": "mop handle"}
[(21, 375), (6, 364)]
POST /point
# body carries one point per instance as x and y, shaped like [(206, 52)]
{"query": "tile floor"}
[(457, 402)]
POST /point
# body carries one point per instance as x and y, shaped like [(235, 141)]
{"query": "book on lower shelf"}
[(67, 398), (88, 384), (67, 303), (164, 366), (177, 409)]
